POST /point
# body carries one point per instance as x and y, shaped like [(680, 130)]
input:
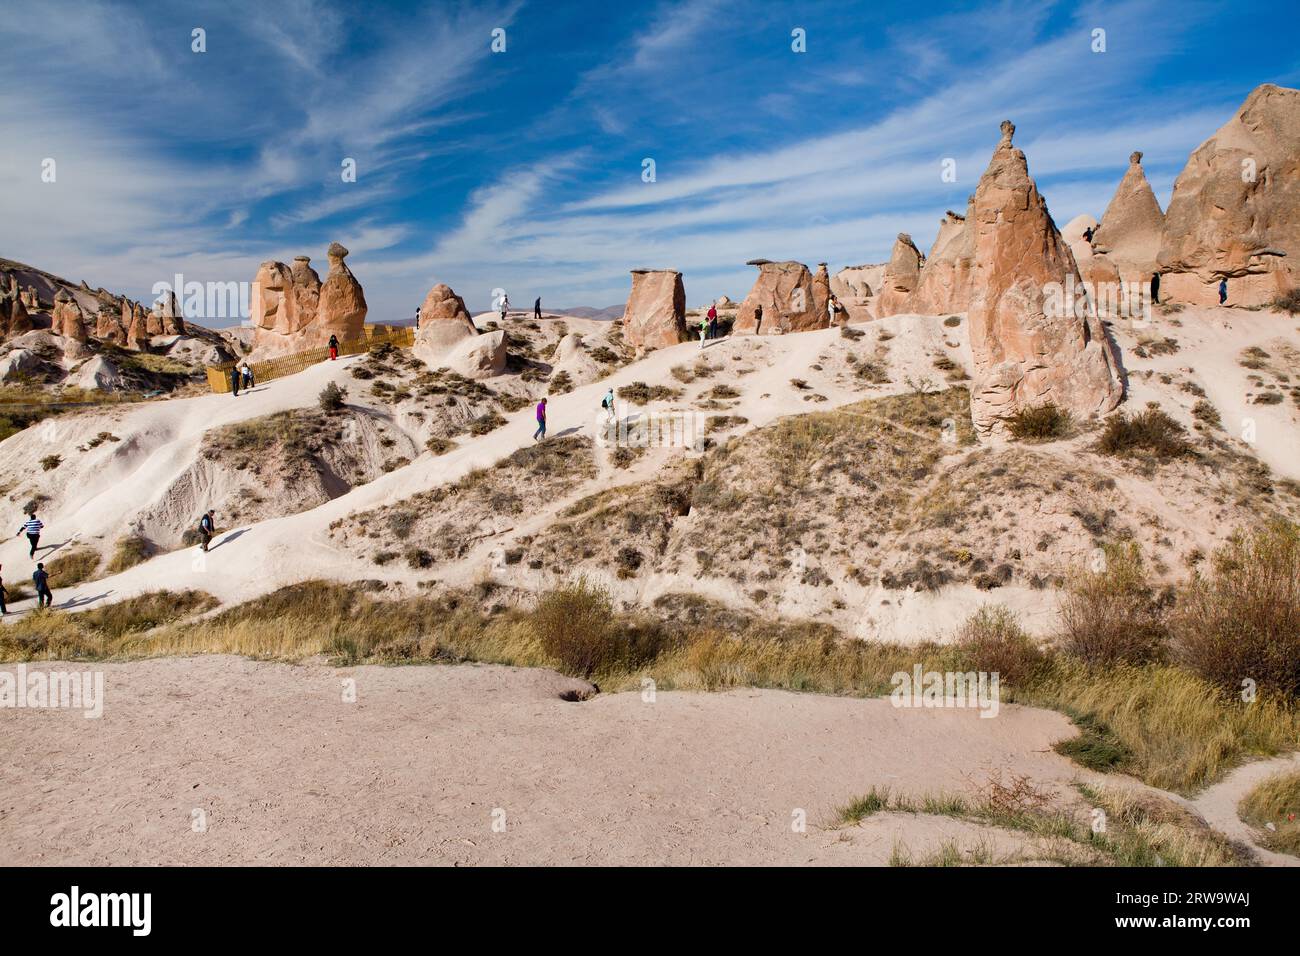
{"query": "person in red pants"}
[(334, 347)]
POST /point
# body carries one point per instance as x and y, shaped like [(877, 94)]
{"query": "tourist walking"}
[(334, 347), (207, 529), (1155, 287), (247, 372), (234, 380), (713, 321), (537, 309), (44, 598), (758, 317), (541, 420), (32, 528), (704, 330), (607, 403), (1223, 291)]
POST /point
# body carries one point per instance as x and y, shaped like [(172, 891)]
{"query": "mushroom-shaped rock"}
[(1027, 349)]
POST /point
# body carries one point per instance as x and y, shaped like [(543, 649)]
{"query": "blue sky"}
[(523, 169)]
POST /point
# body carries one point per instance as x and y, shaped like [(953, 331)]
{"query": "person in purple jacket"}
[(541, 420)]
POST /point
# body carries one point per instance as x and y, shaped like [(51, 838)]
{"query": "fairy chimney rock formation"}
[(655, 314), (945, 282), (273, 310), (1027, 350), (786, 293), (341, 309), (306, 289), (1128, 240), (444, 321), (137, 329), (448, 338), (902, 275), (172, 320), (68, 319), (1235, 209)]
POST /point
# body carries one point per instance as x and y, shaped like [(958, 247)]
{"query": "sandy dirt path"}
[(1217, 805), (284, 771)]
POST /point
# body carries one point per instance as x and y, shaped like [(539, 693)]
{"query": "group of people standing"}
[(32, 527)]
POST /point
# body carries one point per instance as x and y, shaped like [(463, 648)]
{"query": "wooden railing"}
[(401, 337)]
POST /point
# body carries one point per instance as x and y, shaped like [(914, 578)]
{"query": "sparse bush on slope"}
[(1241, 622), (1040, 423), (1112, 614)]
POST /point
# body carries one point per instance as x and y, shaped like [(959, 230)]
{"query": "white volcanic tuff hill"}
[(1174, 511)]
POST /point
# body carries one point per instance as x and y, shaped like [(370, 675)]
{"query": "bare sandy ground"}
[(421, 765)]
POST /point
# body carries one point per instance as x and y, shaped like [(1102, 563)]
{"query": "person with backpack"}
[(41, 578), (234, 380), (32, 528), (206, 529), (607, 403), (541, 420), (334, 347), (713, 321)]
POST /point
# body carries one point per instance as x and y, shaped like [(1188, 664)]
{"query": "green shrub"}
[(331, 397)]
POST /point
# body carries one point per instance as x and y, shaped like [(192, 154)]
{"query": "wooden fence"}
[(402, 337)]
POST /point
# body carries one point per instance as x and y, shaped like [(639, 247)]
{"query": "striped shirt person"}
[(32, 528)]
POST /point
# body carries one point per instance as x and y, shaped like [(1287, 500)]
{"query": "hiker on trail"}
[(247, 372), (713, 321), (541, 420), (505, 307), (704, 330), (1223, 291), (537, 309), (607, 403), (234, 380), (206, 529), (32, 528), (758, 317), (1087, 234), (1155, 287), (334, 347), (44, 598)]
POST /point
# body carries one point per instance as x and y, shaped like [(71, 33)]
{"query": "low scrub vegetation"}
[(72, 567), (1040, 423), (130, 551), (1151, 433)]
